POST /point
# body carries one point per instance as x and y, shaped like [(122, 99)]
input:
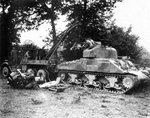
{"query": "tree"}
[(125, 42), (145, 58), (8, 32), (25, 14), (93, 16), (33, 13)]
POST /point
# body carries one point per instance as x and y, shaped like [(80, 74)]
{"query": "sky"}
[(135, 13)]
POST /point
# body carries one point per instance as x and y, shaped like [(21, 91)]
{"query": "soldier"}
[(26, 55), (90, 43)]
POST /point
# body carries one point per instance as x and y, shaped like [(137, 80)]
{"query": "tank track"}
[(123, 89)]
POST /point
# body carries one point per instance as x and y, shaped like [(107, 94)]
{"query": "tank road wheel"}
[(98, 85), (42, 76), (74, 79), (83, 80), (111, 85)]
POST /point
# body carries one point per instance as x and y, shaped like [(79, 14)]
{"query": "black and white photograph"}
[(74, 59)]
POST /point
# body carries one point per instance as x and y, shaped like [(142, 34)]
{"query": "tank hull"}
[(102, 73), (93, 65)]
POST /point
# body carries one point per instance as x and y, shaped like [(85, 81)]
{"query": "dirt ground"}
[(74, 102)]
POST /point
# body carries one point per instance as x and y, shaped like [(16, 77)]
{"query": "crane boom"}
[(60, 38)]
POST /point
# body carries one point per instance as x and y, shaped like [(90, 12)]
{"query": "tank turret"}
[(100, 51)]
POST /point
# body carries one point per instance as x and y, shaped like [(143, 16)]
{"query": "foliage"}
[(8, 31), (125, 42), (93, 17), (32, 13), (19, 15), (7, 19), (145, 58)]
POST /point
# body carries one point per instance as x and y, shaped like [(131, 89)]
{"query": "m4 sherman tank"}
[(100, 68)]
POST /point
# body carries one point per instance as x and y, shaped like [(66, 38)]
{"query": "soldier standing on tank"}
[(90, 43)]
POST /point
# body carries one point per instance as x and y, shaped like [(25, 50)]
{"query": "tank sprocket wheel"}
[(121, 89), (128, 82)]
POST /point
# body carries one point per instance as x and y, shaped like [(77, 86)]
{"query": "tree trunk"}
[(52, 23), (53, 29), (4, 37), (84, 22)]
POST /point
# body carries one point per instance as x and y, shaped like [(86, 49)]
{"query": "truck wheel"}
[(42, 74), (5, 71)]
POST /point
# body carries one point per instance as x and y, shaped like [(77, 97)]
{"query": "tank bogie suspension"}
[(108, 82)]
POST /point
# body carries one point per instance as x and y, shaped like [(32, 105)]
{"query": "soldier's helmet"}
[(90, 43)]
